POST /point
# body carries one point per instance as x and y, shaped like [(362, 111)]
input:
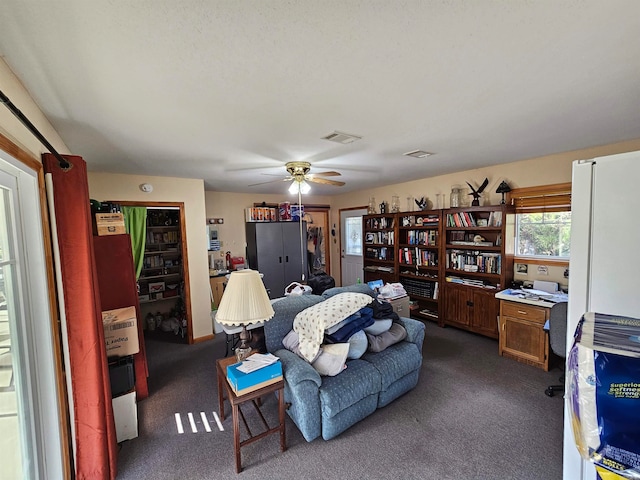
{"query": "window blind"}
[(544, 198)]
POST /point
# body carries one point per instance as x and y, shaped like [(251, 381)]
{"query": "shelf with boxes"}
[(419, 266)]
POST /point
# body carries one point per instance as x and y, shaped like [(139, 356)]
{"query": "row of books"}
[(469, 219), (481, 262), (422, 237), (423, 289), (380, 253), (383, 238), (419, 257)]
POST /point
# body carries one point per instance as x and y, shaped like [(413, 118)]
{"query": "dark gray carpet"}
[(473, 415)]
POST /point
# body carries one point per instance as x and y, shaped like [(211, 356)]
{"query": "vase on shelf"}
[(372, 206), (395, 204)]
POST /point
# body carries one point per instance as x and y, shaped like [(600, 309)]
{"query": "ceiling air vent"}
[(418, 154), (340, 137)]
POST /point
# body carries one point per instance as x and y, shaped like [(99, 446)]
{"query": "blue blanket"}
[(360, 320)]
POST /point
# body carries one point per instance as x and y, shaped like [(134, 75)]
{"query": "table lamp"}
[(244, 302)]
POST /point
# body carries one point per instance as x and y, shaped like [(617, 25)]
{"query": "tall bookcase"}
[(419, 261), (451, 262), (478, 262), (380, 259)]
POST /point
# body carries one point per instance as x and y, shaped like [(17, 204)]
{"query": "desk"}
[(236, 412), (522, 336)]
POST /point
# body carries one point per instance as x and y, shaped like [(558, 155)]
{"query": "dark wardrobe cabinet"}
[(274, 249)]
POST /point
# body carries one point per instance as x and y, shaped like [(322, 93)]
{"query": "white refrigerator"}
[(604, 267)]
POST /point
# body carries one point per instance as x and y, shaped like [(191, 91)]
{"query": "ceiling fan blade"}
[(324, 181), (270, 181), (326, 174)]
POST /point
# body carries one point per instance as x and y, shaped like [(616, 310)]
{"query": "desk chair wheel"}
[(552, 389)]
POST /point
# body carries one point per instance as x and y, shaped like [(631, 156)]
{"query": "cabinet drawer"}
[(524, 311)]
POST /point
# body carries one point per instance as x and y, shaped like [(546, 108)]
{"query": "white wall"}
[(119, 187)]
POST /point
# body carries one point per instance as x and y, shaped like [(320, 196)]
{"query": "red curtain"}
[(95, 436)]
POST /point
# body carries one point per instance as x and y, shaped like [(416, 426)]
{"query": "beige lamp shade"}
[(245, 300)]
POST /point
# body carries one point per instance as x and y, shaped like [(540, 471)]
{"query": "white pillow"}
[(332, 358), (311, 323)]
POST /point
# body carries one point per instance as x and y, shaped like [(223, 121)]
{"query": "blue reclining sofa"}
[(325, 405)]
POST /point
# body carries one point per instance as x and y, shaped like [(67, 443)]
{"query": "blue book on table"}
[(240, 381)]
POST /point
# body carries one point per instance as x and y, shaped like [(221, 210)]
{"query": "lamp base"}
[(244, 349), (242, 353)]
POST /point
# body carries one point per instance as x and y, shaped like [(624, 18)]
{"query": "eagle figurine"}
[(476, 193)]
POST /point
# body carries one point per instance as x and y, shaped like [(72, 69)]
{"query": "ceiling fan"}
[(299, 175)]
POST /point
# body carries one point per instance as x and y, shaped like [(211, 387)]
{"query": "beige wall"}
[(109, 186), (231, 207), (13, 129), (545, 170)]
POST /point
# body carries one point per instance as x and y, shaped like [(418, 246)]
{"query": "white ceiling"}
[(230, 90)]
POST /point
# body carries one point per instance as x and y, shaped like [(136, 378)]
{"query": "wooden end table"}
[(254, 397)]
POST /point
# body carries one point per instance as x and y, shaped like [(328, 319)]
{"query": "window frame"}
[(539, 199)]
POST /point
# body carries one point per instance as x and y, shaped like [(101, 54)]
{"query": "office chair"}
[(557, 340)]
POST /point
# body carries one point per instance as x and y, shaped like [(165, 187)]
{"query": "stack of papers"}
[(256, 362)]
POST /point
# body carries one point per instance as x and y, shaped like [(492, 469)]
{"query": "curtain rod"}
[(64, 164)]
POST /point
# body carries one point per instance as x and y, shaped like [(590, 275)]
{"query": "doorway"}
[(163, 284), (351, 245)]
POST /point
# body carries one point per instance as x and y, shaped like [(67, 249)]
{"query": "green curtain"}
[(135, 222)]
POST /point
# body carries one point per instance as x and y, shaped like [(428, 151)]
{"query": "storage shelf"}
[(155, 252), (153, 277), (159, 299), (485, 248)]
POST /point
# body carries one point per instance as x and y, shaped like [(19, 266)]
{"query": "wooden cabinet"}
[(472, 309), (478, 262), (522, 336), (419, 266), (380, 257), (217, 287)]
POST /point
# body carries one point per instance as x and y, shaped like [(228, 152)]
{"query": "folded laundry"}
[(361, 319)]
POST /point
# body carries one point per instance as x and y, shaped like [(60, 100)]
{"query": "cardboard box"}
[(120, 331), (297, 212), (401, 306), (125, 414), (110, 224), (247, 382)]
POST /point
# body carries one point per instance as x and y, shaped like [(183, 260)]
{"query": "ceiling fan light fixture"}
[(418, 154), (302, 186)]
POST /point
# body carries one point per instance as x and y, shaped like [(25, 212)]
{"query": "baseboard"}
[(211, 336)]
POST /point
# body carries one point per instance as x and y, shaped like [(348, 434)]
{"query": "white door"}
[(30, 443), (351, 246)]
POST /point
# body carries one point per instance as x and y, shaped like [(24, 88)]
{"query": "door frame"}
[(183, 248), (340, 236)]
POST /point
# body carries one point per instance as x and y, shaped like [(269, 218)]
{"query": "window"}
[(543, 234), (543, 221), (353, 234)]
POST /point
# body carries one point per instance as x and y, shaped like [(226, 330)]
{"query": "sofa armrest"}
[(302, 393), (415, 330), (296, 370)]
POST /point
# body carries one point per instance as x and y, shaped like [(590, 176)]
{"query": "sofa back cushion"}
[(357, 288), (282, 322)]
